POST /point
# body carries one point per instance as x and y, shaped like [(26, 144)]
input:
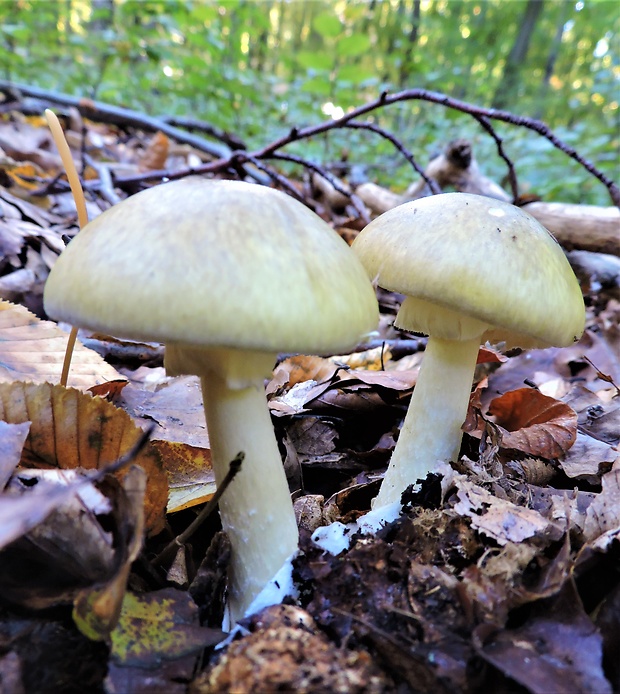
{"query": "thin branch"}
[(172, 547), (483, 115), (117, 115), (373, 127), (512, 176), (327, 175)]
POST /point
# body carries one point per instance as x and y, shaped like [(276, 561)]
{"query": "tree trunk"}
[(554, 52), (509, 85), (405, 66)]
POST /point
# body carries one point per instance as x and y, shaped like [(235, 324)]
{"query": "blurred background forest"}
[(258, 68)]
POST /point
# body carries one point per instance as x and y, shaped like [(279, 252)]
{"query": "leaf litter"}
[(501, 575)]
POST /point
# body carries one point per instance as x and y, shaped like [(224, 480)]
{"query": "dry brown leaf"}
[(392, 380), (155, 156), (355, 389), (589, 458), (97, 609), (12, 438), (70, 429), (534, 423), (19, 514), (499, 519), (301, 368), (175, 408), (603, 514), (555, 649), (33, 350), (373, 359), (25, 175), (489, 355), (109, 390)]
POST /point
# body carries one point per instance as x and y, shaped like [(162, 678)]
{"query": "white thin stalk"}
[(432, 431), (256, 510)]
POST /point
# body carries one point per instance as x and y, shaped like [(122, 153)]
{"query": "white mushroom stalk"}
[(439, 403), (256, 510), (431, 431)]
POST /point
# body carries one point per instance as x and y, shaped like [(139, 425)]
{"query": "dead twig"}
[(172, 547)]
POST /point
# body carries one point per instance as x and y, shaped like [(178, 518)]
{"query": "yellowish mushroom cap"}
[(214, 263), (473, 265)]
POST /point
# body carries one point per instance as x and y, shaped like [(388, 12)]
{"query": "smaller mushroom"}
[(226, 274), (472, 269)]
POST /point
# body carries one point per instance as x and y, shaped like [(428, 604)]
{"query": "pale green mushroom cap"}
[(473, 265), (214, 263)]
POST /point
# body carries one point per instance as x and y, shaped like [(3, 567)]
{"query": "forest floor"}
[(501, 574)]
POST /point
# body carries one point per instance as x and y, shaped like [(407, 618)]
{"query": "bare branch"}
[(228, 159)]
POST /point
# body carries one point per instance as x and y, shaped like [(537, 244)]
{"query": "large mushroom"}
[(472, 269), (226, 274)]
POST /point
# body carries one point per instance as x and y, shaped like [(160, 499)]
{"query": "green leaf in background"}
[(352, 46), (313, 60), (354, 74), (327, 24), (320, 85)]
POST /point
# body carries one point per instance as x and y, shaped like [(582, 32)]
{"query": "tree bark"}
[(509, 84), (412, 38)]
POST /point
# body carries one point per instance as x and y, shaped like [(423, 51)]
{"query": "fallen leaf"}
[(603, 514), (19, 514), (12, 438), (534, 423), (33, 350), (162, 625), (175, 408), (155, 155), (109, 390), (498, 518), (588, 459), (97, 609), (190, 474), (373, 359), (70, 429), (557, 650), (302, 368)]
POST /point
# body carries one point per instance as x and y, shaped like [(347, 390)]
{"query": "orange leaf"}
[(156, 154), (190, 474), (534, 423), (109, 390)]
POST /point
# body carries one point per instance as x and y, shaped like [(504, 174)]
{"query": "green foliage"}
[(258, 68)]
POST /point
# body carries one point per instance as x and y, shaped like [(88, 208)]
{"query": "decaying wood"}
[(377, 198), (456, 167), (583, 227), (599, 273), (325, 191)]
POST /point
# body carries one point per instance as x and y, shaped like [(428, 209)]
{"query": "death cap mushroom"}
[(472, 269), (226, 274)]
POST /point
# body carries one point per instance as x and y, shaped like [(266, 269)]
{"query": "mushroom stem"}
[(432, 427), (256, 510)]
